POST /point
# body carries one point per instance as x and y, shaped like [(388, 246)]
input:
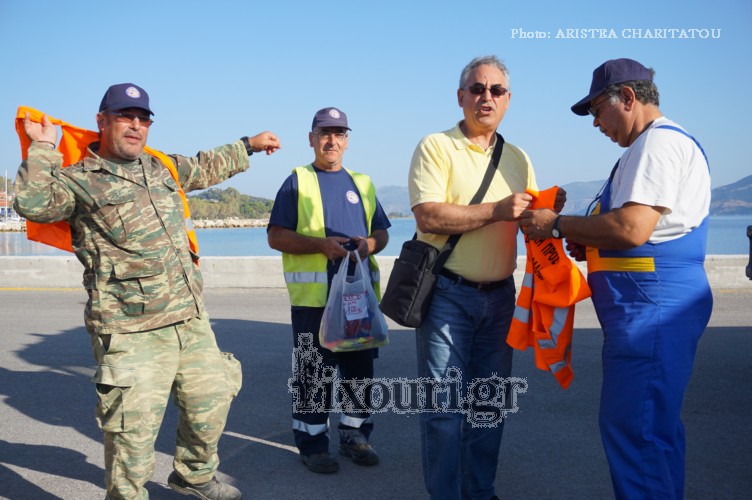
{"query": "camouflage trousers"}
[(135, 376)]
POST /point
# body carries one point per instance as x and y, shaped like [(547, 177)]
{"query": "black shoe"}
[(354, 445), (320, 463), (212, 490)]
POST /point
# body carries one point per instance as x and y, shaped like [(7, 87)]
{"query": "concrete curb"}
[(724, 271)]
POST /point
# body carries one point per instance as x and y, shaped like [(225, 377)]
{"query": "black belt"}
[(482, 285)]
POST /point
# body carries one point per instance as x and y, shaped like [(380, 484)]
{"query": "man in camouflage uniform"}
[(150, 332)]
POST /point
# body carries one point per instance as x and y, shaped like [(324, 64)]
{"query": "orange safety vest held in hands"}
[(544, 315), (73, 146)]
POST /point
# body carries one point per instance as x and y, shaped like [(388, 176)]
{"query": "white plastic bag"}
[(352, 320)]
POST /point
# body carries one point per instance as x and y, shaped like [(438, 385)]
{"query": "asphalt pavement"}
[(51, 448)]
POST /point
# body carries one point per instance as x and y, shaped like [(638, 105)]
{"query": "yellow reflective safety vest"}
[(544, 313), (73, 146), (305, 275)]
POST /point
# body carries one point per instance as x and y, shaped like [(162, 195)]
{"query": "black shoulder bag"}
[(410, 288)]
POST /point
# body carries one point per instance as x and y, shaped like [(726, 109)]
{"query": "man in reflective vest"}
[(321, 211), (645, 244), (150, 331)]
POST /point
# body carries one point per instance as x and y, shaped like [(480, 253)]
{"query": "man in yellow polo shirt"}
[(473, 301)]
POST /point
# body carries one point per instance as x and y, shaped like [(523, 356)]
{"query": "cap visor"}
[(582, 106)]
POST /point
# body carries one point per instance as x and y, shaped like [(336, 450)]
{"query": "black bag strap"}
[(448, 247)]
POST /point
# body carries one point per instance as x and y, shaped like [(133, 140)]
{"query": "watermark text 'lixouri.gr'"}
[(316, 388)]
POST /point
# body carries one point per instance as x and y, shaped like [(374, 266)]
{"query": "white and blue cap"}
[(125, 95), (330, 117)]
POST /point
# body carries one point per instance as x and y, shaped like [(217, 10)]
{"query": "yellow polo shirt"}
[(447, 168)]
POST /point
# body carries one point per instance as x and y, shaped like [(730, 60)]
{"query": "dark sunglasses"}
[(130, 118), (595, 109), (496, 90)]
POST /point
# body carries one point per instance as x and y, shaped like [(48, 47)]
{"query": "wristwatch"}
[(555, 231), (247, 144)]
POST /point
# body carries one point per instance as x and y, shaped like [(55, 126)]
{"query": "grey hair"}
[(481, 61), (645, 90)]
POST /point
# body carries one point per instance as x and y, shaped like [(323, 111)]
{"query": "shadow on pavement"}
[(551, 448)]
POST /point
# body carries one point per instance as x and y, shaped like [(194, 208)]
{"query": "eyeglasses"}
[(595, 109), (325, 135), (130, 118), (496, 90)]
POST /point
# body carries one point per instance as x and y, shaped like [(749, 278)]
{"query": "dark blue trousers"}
[(310, 428)]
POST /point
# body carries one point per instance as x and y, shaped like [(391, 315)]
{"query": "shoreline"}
[(13, 226), (232, 222), (229, 223)]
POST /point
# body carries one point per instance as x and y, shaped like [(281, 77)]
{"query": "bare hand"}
[(44, 131), (362, 248), (332, 247), (576, 251), (511, 207), (537, 224), (561, 199), (265, 141)]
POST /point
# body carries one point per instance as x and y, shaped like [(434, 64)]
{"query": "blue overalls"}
[(653, 303)]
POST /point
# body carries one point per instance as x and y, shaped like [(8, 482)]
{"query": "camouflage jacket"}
[(128, 229)]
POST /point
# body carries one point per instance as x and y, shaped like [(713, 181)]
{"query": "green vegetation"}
[(228, 203)]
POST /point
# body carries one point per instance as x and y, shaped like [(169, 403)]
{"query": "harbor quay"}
[(724, 271), (50, 446)]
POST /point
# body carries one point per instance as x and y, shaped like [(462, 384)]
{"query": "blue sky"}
[(217, 70)]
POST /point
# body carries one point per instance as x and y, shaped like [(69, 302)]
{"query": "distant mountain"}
[(732, 199), (395, 201), (215, 203), (580, 195)]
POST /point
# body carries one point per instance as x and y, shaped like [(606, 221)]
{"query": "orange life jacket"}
[(73, 146), (544, 314)]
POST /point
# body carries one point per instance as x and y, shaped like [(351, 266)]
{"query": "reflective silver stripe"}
[(528, 280), (315, 277), (521, 314), (557, 326), (557, 366), (312, 429), (189, 224), (560, 320), (305, 277), (353, 421)]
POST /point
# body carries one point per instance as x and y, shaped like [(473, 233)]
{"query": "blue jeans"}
[(467, 329)]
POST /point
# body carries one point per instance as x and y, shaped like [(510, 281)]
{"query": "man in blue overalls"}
[(645, 247)]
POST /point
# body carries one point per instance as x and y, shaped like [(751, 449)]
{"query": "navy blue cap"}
[(125, 95), (330, 117), (611, 72)]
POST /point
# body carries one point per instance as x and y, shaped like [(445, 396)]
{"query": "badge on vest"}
[(353, 197)]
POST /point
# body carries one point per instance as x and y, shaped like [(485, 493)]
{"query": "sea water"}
[(727, 236)]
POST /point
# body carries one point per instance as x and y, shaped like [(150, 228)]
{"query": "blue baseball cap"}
[(611, 72), (125, 95), (330, 117)]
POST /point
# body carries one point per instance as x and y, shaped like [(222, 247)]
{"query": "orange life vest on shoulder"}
[(73, 146), (544, 314)]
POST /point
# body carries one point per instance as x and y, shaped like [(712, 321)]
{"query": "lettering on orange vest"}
[(73, 146), (544, 313)]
